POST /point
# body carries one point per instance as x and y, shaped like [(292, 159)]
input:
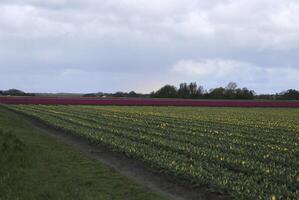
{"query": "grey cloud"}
[(142, 41)]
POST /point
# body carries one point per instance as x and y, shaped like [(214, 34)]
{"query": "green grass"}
[(34, 166)]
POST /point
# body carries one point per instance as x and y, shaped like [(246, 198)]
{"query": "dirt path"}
[(134, 170)]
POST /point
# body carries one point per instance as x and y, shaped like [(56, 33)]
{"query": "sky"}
[(123, 45)]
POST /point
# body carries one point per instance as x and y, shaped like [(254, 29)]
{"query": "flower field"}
[(247, 153), (146, 102)]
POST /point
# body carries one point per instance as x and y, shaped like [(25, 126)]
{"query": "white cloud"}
[(208, 67)]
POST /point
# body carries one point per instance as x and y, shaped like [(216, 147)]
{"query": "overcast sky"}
[(113, 45)]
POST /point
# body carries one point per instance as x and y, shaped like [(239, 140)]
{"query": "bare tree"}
[(193, 89), (200, 91), (231, 86)]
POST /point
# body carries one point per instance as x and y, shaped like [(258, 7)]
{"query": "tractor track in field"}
[(135, 170)]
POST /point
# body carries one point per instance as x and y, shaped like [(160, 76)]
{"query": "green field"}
[(34, 166), (248, 153)]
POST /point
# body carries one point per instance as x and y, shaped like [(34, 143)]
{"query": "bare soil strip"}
[(132, 169)]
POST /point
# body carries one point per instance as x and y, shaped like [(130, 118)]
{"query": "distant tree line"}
[(290, 94), (185, 91), (15, 92), (131, 94), (231, 91), (192, 91)]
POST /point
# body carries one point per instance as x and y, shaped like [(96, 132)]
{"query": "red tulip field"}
[(146, 102)]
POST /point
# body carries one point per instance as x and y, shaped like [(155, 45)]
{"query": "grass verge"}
[(34, 166)]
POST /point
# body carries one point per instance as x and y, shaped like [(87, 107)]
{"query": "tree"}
[(14, 92), (231, 86), (244, 93), (167, 91), (90, 95), (230, 90), (119, 94), (193, 89), (200, 91), (290, 94), (184, 91), (133, 94), (217, 93)]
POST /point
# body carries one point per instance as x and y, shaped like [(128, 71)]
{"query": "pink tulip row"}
[(146, 102)]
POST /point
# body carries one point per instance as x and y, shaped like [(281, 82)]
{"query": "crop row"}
[(245, 160)]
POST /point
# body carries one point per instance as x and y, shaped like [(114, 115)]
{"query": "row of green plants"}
[(246, 153)]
